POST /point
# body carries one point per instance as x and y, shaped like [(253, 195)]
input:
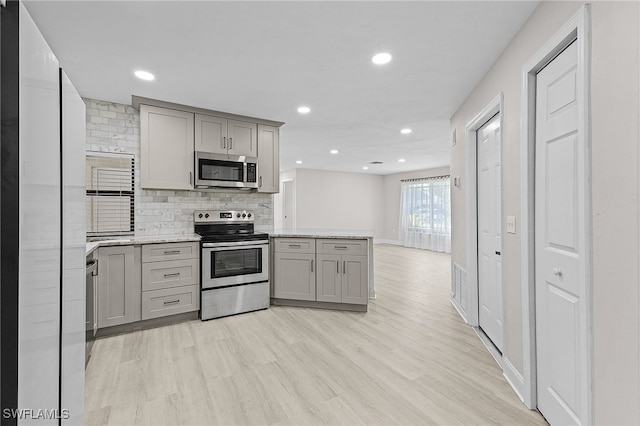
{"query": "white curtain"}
[(425, 214)]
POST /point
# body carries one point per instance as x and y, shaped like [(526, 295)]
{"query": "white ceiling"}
[(266, 58)]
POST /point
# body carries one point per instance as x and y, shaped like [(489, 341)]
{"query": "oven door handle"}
[(236, 244)]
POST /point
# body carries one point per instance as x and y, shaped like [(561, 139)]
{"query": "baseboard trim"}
[(146, 324), (514, 378), (384, 241), (491, 348), (458, 308)]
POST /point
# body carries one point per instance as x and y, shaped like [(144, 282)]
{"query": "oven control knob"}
[(206, 215), (238, 215), (200, 215), (249, 215), (244, 215)]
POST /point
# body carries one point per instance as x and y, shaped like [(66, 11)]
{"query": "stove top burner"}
[(226, 225)]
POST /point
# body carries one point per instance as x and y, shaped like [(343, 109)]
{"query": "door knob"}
[(557, 272)]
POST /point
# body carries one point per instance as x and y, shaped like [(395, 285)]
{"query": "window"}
[(425, 213), (110, 197)]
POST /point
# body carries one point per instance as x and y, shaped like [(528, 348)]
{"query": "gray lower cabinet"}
[(170, 279), (321, 270), (118, 288), (342, 279), (295, 276), (355, 279)]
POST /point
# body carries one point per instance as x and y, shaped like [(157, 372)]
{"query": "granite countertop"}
[(320, 233), (129, 240)]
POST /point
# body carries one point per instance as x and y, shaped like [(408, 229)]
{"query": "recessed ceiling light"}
[(406, 131), (144, 75), (381, 58), (401, 160), (299, 162), (334, 151), (365, 168), (304, 110)]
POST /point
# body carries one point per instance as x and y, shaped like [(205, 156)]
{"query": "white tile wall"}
[(115, 127)]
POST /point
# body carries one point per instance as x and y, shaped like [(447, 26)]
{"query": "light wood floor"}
[(409, 360)]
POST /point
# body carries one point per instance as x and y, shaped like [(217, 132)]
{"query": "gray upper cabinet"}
[(166, 148), (170, 133), (223, 136), (268, 159), (211, 134)]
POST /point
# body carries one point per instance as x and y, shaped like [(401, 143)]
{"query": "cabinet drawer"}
[(170, 301), (294, 245), (175, 273), (170, 251), (334, 246)]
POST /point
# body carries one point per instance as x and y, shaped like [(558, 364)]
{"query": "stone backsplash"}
[(115, 128)]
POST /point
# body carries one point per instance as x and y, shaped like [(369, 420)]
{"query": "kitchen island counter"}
[(313, 246), (321, 233)]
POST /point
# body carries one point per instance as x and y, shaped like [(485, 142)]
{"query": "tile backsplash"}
[(115, 128)]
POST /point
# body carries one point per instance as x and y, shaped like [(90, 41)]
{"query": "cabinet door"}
[(355, 279), (242, 138), (116, 286), (329, 278), (211, 134), (294, 276), (166, 148), (268, 159)]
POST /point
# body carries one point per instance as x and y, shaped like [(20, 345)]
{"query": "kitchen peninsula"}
[(320, 268)]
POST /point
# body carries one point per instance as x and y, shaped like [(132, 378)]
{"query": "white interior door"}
[(559, 245), (288, 210), (489, 230)]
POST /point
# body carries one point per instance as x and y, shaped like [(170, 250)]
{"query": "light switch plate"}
[(511, 224)]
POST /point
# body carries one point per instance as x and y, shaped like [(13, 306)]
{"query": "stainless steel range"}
[(234, 263)]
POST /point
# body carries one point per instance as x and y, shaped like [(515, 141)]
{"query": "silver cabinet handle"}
[(557, 272), (224, 142), (337, 267), (190, 178), (344, 267), (230, 143), (172, 252), (311, 265), (260, 184), (294, 246), (340, 247), (175, 274), (171, 302)]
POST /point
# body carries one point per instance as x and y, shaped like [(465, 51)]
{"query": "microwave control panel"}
[(252, 172)]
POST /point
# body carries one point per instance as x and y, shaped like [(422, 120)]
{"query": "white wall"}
[(392, 191), (615, 115), (339, 200)]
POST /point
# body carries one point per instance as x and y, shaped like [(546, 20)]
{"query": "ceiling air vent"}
[(376, 162)]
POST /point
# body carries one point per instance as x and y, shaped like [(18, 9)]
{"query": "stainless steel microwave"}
[(225, 171)]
